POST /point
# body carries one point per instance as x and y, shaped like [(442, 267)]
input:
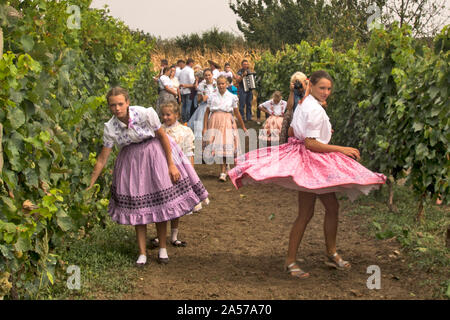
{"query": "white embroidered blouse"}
[(274, 109), (183, 136), (226, 102), (311, 121), (142, 124), (207, 89)]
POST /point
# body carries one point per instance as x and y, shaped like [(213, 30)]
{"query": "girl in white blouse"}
[(184, 137), (205, 88), (307, 163), (220, 130), (153, 182), (167, 92), (275, 107)]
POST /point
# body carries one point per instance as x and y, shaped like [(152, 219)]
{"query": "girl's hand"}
[(351, 152), (291, 86), (174, 173)]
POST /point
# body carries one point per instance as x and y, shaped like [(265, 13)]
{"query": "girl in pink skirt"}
[(153, 181), (272, 127), (220, 129), (307, 163)]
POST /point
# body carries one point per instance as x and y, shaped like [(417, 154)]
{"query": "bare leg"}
[(174, 223), (330, 225), (306, 202), (161, 229), (141, 235)]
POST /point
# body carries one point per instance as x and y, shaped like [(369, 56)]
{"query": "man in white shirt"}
[(180, 66), (214, 69), (187, 82)]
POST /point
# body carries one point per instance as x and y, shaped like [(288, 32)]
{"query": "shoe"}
[(179, 243), (294, 270), (335, 261), (198, 207), (162, 260), (223, 177), (154, 243), (141, 261)]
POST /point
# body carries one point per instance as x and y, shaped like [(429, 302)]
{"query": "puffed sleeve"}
[(314, 123), (235, 102), (108, 140), (153, 119), (188, 142), (265, 104)]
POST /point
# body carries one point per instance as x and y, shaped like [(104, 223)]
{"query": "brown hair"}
[(117, 91), (174, 107), (277, 94), (318, 75)]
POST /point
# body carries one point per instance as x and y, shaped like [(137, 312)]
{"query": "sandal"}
[(335, 261), (223, 177), (298, 273), (154, 243), (179, 243)]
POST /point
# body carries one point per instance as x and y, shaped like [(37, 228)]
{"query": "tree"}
[(426, 17), (274, 23)]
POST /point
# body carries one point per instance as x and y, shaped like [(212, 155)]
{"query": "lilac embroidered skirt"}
[(142, 192)]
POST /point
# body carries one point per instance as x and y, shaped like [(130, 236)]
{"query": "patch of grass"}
[(424, 243), (106, 261)]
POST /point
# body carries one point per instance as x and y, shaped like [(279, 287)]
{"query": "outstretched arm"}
[(102, 159)]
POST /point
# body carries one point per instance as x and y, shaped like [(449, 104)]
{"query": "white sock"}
[(163, 253), (174, 235), (142, 259)]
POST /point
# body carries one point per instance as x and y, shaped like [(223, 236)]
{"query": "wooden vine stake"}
[(390, 183), (421, 211)]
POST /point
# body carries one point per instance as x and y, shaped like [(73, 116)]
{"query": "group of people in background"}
[(154, 180)]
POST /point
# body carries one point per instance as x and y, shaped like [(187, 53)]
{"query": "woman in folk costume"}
[(316, 169), (275, 107), (219, 127), (153, 181)]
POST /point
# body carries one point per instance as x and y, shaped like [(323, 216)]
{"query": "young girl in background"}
[(205, 88), (307, 163), (184, 137), (272, 126), (220, 130), (153, 182)]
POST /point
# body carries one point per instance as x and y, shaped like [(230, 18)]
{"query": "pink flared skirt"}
[(271, 129), (292, 165), (221, 138)]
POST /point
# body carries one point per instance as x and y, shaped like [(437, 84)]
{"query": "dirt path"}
[(236, 252)]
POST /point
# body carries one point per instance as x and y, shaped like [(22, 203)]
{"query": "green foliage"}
[(52, 107), (424, 244), (215, 40), (390, 100), (273, 24)]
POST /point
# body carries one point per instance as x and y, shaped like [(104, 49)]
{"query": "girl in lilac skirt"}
[(307, 163), (153, 181)]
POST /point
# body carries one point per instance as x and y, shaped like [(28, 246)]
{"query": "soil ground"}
[(237, 246)]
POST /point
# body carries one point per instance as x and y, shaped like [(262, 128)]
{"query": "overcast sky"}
[(171, 18)]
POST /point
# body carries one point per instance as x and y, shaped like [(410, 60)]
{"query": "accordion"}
[(249, 82)]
